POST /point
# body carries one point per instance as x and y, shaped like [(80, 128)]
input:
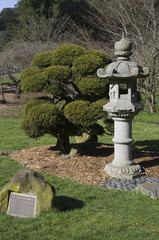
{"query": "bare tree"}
[(19, 54), (140, 22), (1, 91), (43, 29), (16, 82)]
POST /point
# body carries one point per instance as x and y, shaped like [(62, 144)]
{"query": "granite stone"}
[(149, 188)]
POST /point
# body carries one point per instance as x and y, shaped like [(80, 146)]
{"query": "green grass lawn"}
[(146, 136), (147, 117), (13, 138), (6, 80), (83, 212)]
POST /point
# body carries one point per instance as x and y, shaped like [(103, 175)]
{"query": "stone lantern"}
[(123, 106)]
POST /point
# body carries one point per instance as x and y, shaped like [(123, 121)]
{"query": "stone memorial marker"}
[(22, 205), (26, 195)]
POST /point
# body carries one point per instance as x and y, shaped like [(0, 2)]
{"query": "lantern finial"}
[(123, 48)]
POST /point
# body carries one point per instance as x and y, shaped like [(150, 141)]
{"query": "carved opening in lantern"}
[(134, 93), (123, 91)]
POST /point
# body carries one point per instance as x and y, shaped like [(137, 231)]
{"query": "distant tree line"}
[(35, 26), (34, 20)]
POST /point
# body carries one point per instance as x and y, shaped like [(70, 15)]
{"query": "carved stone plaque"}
[(22, 205)]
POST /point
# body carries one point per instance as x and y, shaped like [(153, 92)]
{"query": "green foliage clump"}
[(32, 80), (87, 64), (66, 54), (79, 112), (84, 115), (41, 119), (98, 108), (34, 102), (96, 129), (43, 59), (98, 113), (104, 56), (33, 83), (93, 88), (57, 73), (56, 90), (29, 72)]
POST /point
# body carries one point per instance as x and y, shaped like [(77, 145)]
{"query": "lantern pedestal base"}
[(128, 172)]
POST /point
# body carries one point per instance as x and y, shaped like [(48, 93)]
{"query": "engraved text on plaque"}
[(22, 205)]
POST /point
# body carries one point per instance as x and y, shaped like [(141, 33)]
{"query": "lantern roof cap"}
[(123, 68)]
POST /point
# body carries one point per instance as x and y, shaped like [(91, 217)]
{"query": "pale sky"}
[(7, 4)]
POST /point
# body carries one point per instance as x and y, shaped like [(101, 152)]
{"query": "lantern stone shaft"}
[(123, 106)]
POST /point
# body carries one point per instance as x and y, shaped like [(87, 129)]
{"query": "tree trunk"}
[(152, 107), (18, 90), (150, 100), (63, 142), (2, 93), (14, 81), (152, 103)]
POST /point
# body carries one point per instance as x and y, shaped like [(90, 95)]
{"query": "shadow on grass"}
[(64, 204), (148, 145)]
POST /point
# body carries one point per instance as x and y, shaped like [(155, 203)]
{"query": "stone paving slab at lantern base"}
[(146, 185)]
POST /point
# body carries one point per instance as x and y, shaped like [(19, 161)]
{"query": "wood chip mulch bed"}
[(84, 169)]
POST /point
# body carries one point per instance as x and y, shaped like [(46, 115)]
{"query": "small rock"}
[(150, 189)]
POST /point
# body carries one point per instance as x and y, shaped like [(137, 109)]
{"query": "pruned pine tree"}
[(77, 96)]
